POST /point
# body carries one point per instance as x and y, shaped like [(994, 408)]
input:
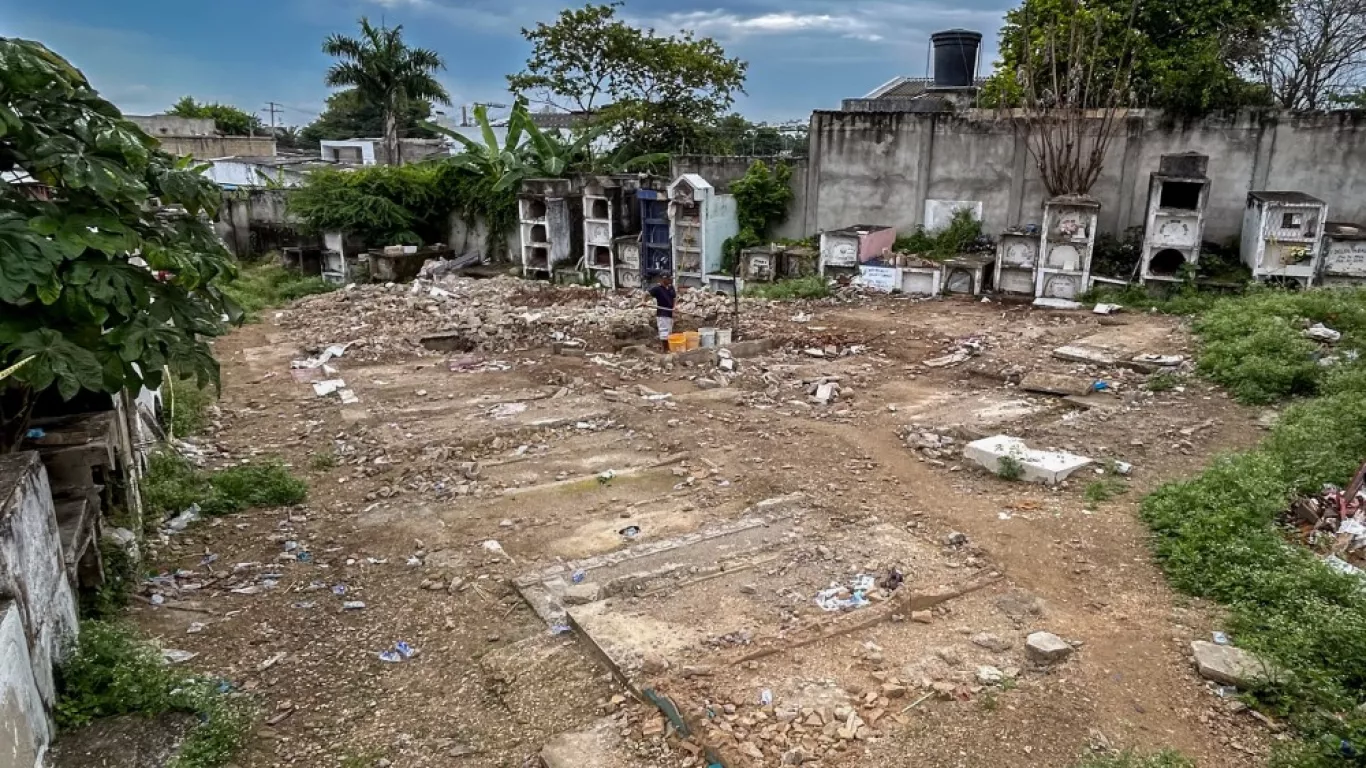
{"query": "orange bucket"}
[(693, 339), (678, 342)]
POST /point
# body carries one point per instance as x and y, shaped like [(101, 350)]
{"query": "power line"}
[(273, 109)]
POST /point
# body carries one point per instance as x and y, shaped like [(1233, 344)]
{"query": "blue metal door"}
[(656, 253)]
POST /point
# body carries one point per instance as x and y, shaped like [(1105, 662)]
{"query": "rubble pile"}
[(1333, 524), (501, 314)]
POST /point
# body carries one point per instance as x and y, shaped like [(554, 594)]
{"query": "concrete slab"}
[(1228, 665), (599, 745), (1055, 384), (1077, 353), (1047, 467)]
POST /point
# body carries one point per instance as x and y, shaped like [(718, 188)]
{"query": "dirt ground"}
[(398, 519)]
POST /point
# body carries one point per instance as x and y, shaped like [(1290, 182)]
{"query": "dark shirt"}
[(664, 300)]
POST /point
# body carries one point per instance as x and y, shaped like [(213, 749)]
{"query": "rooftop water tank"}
[(955, 57)]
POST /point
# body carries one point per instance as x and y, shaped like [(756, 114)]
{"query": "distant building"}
[(196, 137), (372, 152), (261, 172)]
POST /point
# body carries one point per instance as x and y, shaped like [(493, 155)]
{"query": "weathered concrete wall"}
[(170, 125), (32, 571), (255, 222), (210, 147), (464, 240), (723, 170), (880, 168), (24, 729)]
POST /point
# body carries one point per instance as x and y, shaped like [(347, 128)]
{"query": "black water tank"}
[(955, 57)]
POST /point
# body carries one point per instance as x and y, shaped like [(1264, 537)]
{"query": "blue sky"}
[(803, 54)]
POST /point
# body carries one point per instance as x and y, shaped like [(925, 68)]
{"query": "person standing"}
[(665, 295)]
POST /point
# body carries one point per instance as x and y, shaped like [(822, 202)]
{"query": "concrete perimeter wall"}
[(880, 168)]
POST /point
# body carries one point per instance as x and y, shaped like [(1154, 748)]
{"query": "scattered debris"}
[(400, 652), (1047, 648), (1321, 332)]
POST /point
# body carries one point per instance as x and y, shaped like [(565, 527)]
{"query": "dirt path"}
[(491, 684)]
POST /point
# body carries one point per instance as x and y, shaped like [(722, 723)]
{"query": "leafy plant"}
[(268, 284), (110, 671), (387, 73), (1100, 491), (761, 200), (962, 235), (1009, 468), (1162, 382), (71, 296), (813, 287), (349, 114), (227, 119), (323, 460)]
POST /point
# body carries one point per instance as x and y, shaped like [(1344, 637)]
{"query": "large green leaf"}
[(57, 362)]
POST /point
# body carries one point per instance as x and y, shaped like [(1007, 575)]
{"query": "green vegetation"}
[(172, 484), (71, 299), (1009, 468), (1162, 382), (1103, 490), (1217, 536), (268, 284), (761, 199), (111, 671), (813, 287), (108, 600), (323, 460), (963, 231), (188, 406), (227, 119), (1163, 759)]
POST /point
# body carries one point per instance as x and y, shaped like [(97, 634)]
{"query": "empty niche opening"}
[(1166, 262), (599, 209), (539, 258), (1184, 195), (602, 256), (1291, 220), (959, 281), (535, 209), (539, 235)]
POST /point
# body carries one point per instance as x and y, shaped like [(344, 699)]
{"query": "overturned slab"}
[(1055, 384), (1076, 353), (1047, 467)]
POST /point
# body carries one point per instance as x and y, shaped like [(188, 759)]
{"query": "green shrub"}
[(172, 484), (268, 284), (962, 232), (1162, 382), (110, 671), (1009, 468), (813, 287)]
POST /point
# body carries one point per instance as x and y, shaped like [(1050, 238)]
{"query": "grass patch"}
[(812, 287), (266, 284), (323, 461), (109, 599), (110, 671), (1009, 468), (1105, 489), (172, 484), (1217, 536), (188, 404), (1163, 759), (1162, 382)]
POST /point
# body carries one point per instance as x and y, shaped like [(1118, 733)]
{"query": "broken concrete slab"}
[(751, 348), (1046, 648), (1076, 353), (1055, 384), (581, 594), (1047, 467), (597, 746), (1048, 303), (1228, 665)]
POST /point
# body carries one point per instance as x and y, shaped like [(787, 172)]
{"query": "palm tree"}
[(385, 72)]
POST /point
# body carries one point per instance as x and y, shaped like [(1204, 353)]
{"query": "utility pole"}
[(273, 107)]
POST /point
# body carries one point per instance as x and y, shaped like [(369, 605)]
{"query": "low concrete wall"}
[(210, 147), (32, 569), (24, 728), (465, 239)]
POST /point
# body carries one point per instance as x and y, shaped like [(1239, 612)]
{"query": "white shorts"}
[(666, 327)]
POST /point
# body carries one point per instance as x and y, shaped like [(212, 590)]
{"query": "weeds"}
[(188, 403), (172, 484), (1105, 489), (1216, 536), (1009, 468), (120, 577), (813, 287), (268, 284), (962, 235), (323, 461), (1162, 382), (110, 671), (1164, 759)]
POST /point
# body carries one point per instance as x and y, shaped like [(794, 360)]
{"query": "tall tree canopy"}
[(1316, 56), (385, 73), (227, 119), (1186, 56), (655, 92), (73, 302), (350, 116)]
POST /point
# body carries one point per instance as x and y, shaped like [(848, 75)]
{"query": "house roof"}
[(909, 87)]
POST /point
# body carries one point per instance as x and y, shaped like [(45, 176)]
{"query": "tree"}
[(1184, 57), (658, 93), (349, 116), (1073, 92), (386, 73), (1316, 54), (74, 302), (227, 119)]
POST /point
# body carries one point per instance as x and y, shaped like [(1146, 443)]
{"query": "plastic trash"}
[(606, 477), (304, 557), (339, 589), (766, 697), (630, 531), (560, 629), (1101, 386), (353, 605), (158, 599), (1220, 638), (36, 433), (400, 652), (182, 521), (578, 576)]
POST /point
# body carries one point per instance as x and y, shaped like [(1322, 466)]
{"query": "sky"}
[(803, 54)]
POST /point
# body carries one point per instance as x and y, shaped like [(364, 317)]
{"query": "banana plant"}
[(489, 158)]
